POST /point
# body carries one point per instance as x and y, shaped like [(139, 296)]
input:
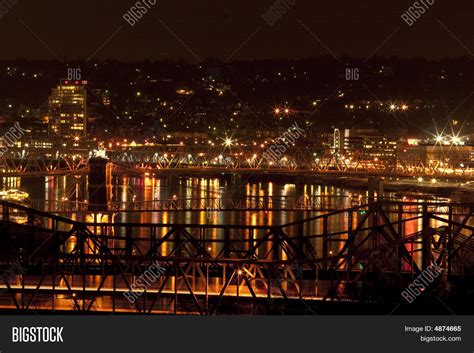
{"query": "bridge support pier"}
[(236, 179), (100, 179), (225, 179), (375, 186), (170, 180), (299, 185)]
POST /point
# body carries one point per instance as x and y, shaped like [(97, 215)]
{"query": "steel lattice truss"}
[(22, 164), (176, 158), (296, 159), (52, 263)]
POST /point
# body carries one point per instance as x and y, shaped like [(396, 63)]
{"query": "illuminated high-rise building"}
[(369, 143), (68, 110)]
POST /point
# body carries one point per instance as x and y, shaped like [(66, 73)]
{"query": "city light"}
[(228, 142), (456, 140)]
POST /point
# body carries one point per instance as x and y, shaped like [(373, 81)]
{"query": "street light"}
[(228, 142), (456, 140)]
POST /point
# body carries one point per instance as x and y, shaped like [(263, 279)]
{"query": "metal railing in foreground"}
[(53, 263)]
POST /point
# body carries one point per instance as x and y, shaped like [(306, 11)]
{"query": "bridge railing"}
[(209, 204), (209, 266), (213, 205)]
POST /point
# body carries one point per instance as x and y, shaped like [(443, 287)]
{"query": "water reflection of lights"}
[(13, 195)]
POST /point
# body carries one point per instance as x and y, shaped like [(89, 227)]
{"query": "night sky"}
[(233, 30)]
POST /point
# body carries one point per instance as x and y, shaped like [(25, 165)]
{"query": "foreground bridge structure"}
[(355, 255)]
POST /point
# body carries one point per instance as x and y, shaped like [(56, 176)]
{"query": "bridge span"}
[(207, 161), (59, 264)]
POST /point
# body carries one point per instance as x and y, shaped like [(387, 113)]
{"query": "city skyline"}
[(412, 97)]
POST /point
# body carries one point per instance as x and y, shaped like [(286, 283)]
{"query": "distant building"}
[(67, 110), (365, 143), (458, 156)]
